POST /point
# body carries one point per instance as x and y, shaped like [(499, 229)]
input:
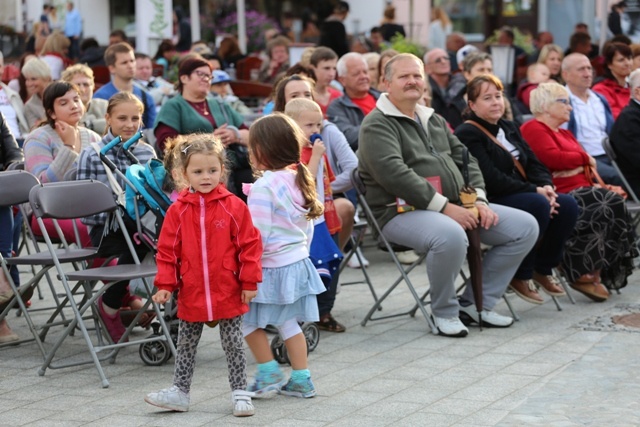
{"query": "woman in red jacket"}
[(210, 251), (618, 65), (602, 240)]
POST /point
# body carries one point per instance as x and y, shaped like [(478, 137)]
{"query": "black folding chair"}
[(390, 248), (78, 199)]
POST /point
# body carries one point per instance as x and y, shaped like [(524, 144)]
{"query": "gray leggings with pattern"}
[(189, 334)]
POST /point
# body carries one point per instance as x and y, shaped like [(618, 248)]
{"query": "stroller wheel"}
[(279, 350), (155, 353), (312, 335)]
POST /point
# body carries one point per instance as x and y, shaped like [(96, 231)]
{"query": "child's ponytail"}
[(307, 186), (275, 142)]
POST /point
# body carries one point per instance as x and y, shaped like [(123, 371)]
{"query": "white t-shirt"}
[(9, 114)]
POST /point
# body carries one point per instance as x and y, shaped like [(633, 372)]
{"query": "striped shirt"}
[(47, 158), (91, 167), (275, 203)]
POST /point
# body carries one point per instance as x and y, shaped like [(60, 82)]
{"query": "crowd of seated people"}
[(532, 147)]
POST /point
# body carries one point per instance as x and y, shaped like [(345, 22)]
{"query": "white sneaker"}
[(242, 405), (490, 319), (407, 257), (451, 327), (354, 262), (169, 398)]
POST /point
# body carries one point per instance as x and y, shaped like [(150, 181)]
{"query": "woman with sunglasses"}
[(601, 247), (194, 110)]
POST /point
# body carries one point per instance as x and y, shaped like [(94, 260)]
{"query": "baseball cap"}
[(220, 76), (464, 51)]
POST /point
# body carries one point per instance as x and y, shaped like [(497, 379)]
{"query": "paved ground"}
[(567, 368)]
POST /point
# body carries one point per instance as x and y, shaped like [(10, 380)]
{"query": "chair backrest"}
[(245, 65), (356, 180), (611, 153), (101, 74), (71, 199), (157, 69), (15, 187), (16, 166), (608, 149)]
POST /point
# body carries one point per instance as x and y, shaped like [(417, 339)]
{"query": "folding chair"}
[(355, 241), (633, 203), (78, 199), (14, 190), (390, 249)]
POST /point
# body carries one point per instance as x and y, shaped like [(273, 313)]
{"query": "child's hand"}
[(318, 149), (247, 296), (161, 297)]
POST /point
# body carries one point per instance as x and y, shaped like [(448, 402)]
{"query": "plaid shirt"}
[(90, 167)]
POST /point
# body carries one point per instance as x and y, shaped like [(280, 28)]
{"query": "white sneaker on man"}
[(490, 319), (354, 262), (450, 327), (407, 257)]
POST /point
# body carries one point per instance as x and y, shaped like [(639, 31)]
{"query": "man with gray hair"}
[(447, 89), (624, 135), (12, 107), (411, 164), (591, 118), (348, 111)]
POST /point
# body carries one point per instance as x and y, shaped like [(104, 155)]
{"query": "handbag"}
[(468, 194), (516, 162), (593, 176)]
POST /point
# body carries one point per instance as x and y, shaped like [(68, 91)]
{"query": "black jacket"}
[(9, 150), (450, 102), (334, 35), (624, 141), (498, 169)]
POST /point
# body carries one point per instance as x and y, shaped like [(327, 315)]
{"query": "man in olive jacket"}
[(408, 159)]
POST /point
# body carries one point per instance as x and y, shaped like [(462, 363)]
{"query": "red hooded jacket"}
[(617, 96), (210, 250)]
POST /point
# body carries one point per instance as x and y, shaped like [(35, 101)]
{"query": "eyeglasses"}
[(442, 59), (203, 76), (564, 101)]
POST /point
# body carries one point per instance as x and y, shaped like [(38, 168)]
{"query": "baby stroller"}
[(146, 205), (279, 350)]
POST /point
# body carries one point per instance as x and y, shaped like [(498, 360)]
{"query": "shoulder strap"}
[(516, 162)]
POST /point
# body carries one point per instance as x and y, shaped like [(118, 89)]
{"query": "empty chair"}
[(71, 200)]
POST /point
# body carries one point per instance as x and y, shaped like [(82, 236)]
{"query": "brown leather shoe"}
[(526, 290), (549, 285), (593, 290)]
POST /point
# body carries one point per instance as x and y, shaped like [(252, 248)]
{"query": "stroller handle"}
[(115, 141), (132, 140)]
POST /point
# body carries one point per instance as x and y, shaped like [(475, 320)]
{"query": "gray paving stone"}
[(546, 370)]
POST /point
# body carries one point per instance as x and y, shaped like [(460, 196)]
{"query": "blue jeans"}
[(606, 170), (554, 231), (7, 238)]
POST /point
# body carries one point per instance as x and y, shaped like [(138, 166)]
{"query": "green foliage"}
[(521, 39), (402, 45)]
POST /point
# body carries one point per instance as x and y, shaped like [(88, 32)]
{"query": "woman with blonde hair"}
[(601, 248), (439, 28), (37, 76), (551, 55), (54, 53), (94, 108)]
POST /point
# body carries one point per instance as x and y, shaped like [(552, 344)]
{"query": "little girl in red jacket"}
[(211, 253)]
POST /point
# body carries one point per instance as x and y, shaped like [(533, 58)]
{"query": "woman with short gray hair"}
[(601, 248)]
